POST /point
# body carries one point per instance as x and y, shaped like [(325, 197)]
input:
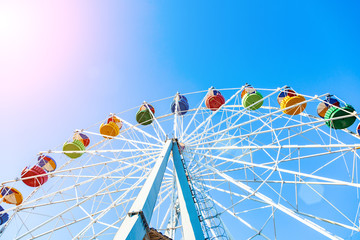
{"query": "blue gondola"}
[(3, 217), (180, 105)]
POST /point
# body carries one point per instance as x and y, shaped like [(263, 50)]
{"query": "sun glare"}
[(15, 23), (36, 45)]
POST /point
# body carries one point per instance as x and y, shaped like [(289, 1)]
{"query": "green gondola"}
[(251, 98), (341, 123), (75, 145), (144, 117)]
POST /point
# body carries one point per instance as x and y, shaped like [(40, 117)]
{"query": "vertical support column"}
[(174, 212), (135, 223), (189, 217), (174, 220)]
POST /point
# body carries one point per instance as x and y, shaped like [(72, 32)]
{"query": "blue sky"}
[(96, 57), (119, 53)]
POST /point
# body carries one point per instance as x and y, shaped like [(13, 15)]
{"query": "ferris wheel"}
[(239, 163)]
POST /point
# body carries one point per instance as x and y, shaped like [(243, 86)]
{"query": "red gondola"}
[(30, 176), (214, 100)]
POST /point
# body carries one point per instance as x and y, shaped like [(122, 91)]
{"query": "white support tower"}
[(135, 225)]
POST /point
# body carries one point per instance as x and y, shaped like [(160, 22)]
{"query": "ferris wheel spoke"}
[(120, 137), (66, 225), (242, 221), (224, 152), (333, 206), (123, 178), (278, 206), (206, 130), (23, 224), (71, 199), (104, 176), (347, 147), (259, 131), (106, 210), (160, 129), (316, 120), (131, 126), (259, 181), (238, 113), (238, 202), (271, 181), (175, 128), (104, 163), (211, 115), (79, 184), (274, 160), (139, 149), (113, 225), (353, 227), (162, 225), (235, 113), (326, 179), (112, 160), (236, 194), (76, 205), (193, 117), (165, 190), (209, 118), (163, 196), (262, 182), (333, 160), (38, 188), (219, 139), (314, 127), (258, 118), (204, 174), (108, 151), (271, 216)]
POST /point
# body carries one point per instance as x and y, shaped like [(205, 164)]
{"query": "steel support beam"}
[(189, 217), (135, 224), (173, 222)]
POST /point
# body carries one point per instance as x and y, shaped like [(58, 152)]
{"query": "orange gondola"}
[(112, 127), (11, 195)]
